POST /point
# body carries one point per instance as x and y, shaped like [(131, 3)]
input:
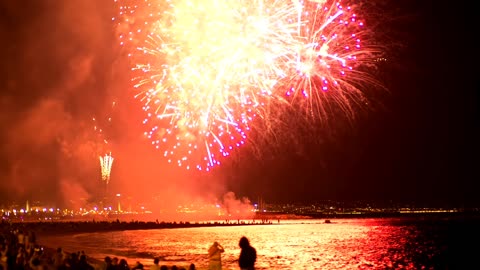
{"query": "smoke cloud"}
[(62, 68)]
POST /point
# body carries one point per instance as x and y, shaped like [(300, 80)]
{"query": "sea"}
[(347, 243)]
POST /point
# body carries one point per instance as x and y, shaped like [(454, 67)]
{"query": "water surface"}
[(291, 244)]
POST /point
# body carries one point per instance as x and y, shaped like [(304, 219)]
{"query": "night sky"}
[(416, 142)]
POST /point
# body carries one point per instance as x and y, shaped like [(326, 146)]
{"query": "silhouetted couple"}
[(246, 261)]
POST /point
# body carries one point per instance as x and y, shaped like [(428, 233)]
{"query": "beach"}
[(30, 234), (357, 243), (423, 242)]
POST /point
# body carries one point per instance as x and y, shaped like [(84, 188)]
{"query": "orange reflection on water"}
[(296, 244)]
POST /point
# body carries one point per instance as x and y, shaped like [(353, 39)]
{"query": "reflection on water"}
[(294, 244)]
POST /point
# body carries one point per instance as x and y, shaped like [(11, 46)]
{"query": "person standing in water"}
[(215, 256), (248, 255)]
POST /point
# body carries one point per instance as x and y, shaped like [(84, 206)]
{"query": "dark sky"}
[(416, 142)]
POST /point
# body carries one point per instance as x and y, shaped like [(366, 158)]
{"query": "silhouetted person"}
[(107, 264), (115, 265), (155, 265), (215, 256), (192, 267), (83, 264), (248, 255), (123, 265), (59, 258)]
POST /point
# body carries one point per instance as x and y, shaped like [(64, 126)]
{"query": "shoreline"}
[(73, 226), (45, 228)]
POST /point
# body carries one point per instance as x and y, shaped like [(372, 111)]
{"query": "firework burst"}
[(106, 167), (330, 51), (205, 69)]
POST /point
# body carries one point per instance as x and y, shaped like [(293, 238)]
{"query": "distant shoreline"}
[(72, 226), (394, 215)]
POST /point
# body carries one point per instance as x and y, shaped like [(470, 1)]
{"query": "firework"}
[(106, 160), (205, 69), (325, 69), (106, 167)]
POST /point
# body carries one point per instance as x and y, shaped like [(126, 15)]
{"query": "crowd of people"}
[(122, 264), (19, 250)]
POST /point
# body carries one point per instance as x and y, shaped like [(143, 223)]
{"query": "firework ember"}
[(205, 69)]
